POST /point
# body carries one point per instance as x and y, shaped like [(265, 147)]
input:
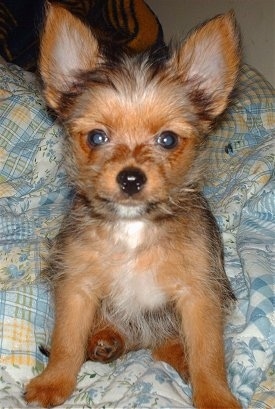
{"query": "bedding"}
[(130, 24), (35, 194)]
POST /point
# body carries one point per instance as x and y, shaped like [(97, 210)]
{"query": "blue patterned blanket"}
[(33, 198)]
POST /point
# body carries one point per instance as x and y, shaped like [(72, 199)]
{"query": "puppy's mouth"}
[(125, 208), (130, 211)]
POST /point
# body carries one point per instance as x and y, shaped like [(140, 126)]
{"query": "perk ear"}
[(68, 47), (208, 62)]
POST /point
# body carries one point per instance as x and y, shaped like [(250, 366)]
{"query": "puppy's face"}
[(134, 139), (136, 126)]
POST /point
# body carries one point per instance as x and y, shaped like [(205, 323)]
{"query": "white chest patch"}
[(134, 292), (132, 289), (130, 233), (131, 295)]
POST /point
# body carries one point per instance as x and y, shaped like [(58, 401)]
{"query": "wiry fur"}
[(143, 269)]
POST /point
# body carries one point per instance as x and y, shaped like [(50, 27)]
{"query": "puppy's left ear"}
[(67, 48), (208, 64)]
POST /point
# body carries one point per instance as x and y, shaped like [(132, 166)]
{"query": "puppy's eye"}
[(97, 137), (167, 140)]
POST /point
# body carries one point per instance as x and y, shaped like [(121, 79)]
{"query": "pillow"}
[(33, 188), (240, 166), (239, 163), (34, 195)]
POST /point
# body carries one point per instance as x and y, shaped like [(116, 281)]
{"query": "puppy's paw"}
[(46, 391), (105, 346)]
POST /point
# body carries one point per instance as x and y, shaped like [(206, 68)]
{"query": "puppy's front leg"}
[(203, 330), (75, 309)]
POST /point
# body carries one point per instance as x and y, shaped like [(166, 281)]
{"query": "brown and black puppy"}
[(139, 260)]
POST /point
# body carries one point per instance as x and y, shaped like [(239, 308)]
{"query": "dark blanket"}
[(129, 24)]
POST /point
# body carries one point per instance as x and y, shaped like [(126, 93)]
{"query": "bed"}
[(34, 196)]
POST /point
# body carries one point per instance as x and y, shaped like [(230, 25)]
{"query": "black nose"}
[(131, 180)]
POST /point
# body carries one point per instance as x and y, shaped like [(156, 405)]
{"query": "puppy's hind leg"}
[(172, 352)]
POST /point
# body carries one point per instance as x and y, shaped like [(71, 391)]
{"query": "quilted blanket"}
[(34, 196)]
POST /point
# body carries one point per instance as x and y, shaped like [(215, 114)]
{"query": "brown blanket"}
[(130, 24)]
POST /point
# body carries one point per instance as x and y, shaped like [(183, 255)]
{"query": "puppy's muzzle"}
[(131, 180)]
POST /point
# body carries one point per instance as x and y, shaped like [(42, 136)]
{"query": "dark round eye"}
[(97, 137), (167, 140)]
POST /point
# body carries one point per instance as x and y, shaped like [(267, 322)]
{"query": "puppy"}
[(138, 262)]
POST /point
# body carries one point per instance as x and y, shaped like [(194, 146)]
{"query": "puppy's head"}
[(136, 125)]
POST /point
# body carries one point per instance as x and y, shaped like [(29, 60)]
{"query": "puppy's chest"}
[(133, 283), (129, 234)]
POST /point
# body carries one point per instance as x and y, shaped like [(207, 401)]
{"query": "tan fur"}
[(138, 268)]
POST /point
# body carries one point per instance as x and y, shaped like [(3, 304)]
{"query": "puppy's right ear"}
[(68, 48)]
